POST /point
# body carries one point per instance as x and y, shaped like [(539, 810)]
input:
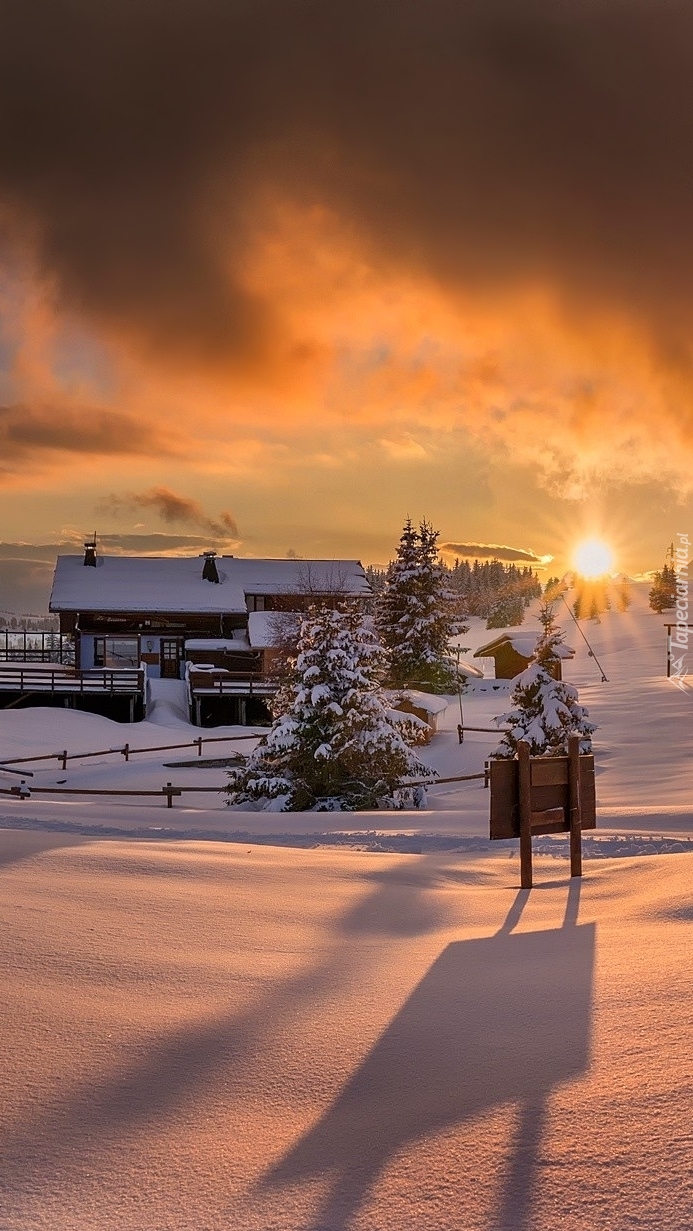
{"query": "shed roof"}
[(165, 584)]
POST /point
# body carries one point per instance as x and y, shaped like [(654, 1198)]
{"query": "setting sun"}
[(593, 558)]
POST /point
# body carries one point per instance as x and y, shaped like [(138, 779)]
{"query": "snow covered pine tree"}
[(333, 744), (415, 614), (546, 711)]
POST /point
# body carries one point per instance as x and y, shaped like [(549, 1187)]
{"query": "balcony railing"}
[(63, 679)]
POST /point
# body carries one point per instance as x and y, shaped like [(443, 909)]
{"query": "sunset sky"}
[(275, 274)]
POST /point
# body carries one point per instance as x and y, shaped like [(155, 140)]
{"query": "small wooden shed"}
[(423, 705), (513, 652)]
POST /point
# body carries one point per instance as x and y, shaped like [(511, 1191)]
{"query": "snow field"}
[(204, 1036)]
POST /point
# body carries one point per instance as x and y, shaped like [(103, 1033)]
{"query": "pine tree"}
[(415, 614), (545, 710), (333, 744), (663, 592), (507, 612), (624, 596)]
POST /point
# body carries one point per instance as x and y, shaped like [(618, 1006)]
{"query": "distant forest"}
[(497, 592), (29, 624)]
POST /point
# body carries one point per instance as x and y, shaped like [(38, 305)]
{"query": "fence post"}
[(168, 791), (198, 741), (126, 751), (63, 757), (574, 805), (487, 774), (523, 769), (460, 733)]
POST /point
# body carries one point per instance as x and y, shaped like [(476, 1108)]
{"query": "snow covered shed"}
[(423, 705), (513, 652)]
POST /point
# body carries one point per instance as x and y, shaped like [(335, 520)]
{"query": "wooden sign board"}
[(549, 795)]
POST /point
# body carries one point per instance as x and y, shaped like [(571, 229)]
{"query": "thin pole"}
[(589, 647)]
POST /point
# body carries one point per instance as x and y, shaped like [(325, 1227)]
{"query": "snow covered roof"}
[(175, 583), (239, 642), (467, 668), (522, 643), (425, 701)]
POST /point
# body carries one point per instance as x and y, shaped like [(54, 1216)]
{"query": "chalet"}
[(513, 652), (213, 621)]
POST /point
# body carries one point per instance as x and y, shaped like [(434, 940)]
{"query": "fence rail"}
[(126, 751), (170, 791)]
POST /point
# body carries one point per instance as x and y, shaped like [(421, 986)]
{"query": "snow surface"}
[(204, 1036), (199, 1036)]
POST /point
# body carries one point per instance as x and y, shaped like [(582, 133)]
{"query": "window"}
[(256, 602), (116, 652)]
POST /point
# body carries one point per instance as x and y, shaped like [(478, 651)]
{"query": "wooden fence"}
[(126, 750)]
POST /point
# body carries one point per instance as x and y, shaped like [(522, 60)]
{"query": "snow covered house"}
[(207, 619), (513, 652)]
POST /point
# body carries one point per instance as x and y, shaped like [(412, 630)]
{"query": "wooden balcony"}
[(223, 683), (34, 677)]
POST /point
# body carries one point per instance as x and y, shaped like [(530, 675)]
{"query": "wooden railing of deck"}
[(231, 683), (30, 678)]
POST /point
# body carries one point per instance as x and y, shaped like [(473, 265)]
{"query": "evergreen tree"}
[(545, 710), (333, 744), (624, 596), (507, 611), (591, 598), (663, 592), (415, 614)]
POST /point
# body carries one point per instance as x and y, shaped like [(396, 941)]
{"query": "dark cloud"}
[(492, 551), (484, 141), (23, 430), (174, 510)]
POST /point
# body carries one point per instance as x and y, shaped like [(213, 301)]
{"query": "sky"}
[(277, 274)]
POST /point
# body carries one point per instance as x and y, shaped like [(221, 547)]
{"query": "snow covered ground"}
[(206, 1036)]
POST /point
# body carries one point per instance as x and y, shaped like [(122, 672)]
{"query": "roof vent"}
[(90, 553), (209, 571)]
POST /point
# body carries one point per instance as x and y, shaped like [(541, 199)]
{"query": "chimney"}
[(209, 571), (90, 553)]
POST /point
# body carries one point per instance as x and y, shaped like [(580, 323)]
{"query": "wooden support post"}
[(574, 804), (460, 733), (169, 795), (487, 774), (523, 767), (126, 751), (63, 758), (198, 741)]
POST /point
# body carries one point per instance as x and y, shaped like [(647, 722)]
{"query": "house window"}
[(116, 652), (256, 602)]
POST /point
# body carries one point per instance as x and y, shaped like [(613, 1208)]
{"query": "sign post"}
[(543, 795)]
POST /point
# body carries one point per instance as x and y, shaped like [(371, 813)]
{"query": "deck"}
[(41, 683), (226, 696)]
